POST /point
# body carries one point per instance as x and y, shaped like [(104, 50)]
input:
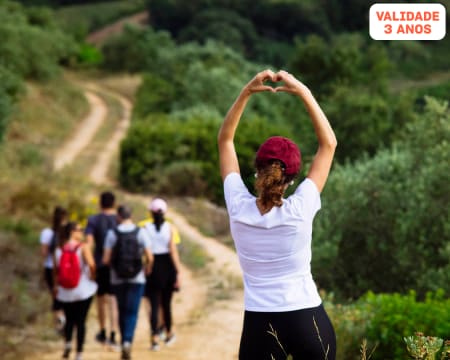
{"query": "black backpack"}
[(127, 254)]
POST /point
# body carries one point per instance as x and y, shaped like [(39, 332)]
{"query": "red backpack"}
[(69, 271)]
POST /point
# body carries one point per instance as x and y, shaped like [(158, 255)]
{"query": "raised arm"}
[(321, 164), (225, 139)]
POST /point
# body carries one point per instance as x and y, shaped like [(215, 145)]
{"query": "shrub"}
[(392, 211), (136, 50), (384, 319), (396, 316), (89, 55), (32, 46), (159, 149), (155, 94)]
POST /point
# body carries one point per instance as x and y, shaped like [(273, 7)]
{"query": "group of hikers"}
[(272, 236), (120, 263)]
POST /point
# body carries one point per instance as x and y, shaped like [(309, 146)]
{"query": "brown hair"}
[(271, 183), (66, 232)]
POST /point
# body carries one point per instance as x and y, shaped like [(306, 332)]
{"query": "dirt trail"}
[(99, 170), (98, 37), (87, 128), (207, 327)]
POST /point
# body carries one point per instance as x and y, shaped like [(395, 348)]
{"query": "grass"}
[(44, 117), (193, 255), (46, 114)]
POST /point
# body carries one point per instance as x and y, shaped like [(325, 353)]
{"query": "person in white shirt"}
[(165, 276), (76, 301), (273, 235), (49, 242)]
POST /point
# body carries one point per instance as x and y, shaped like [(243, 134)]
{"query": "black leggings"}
[(296, 333), (163, 297), (48, 275), (159, 290), (76, 313)]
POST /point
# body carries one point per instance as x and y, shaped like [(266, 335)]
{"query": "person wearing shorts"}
[(97, 227)]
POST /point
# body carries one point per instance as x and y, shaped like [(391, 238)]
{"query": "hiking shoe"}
[(60, 323), (155, 346), (170, 339), (113, 345), (101, 337), (67, 349), (126, 351), (162, 333)]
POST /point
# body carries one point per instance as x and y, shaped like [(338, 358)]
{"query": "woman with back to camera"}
[(49, 242), (273, 235), (76, 299), (164, 277)]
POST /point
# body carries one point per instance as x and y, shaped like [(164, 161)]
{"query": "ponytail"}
[(271, 184)]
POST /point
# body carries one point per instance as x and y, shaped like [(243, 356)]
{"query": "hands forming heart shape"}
[(290, 83)]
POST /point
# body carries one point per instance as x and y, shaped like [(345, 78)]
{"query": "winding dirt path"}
[(84, 134), (209, 308)]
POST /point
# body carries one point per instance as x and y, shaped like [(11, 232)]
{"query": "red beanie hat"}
[(283, 149)]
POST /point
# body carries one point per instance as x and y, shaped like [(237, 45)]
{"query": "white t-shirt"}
[(274, 249), (46, 239), (144, 243), (160, 240), (85, 288)]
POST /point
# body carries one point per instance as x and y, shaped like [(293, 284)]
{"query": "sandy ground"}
[(207, 326)]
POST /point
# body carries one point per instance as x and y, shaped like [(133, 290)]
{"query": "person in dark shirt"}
[(96, 230)]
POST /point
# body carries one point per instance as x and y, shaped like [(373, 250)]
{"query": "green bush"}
[(396, 316), (384, 319), (89, 55), (33, 46), (155, 94), (164, 154), (441, 91), (391, 212), (136, 50)]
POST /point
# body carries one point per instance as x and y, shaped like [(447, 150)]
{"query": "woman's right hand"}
[(257, 83), (291, 84)]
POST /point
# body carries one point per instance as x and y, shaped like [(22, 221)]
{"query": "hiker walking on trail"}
[(74, 274), (165, 276), (49, 242), (96, 230), (177, 240), (273, 234), (124, 249)]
